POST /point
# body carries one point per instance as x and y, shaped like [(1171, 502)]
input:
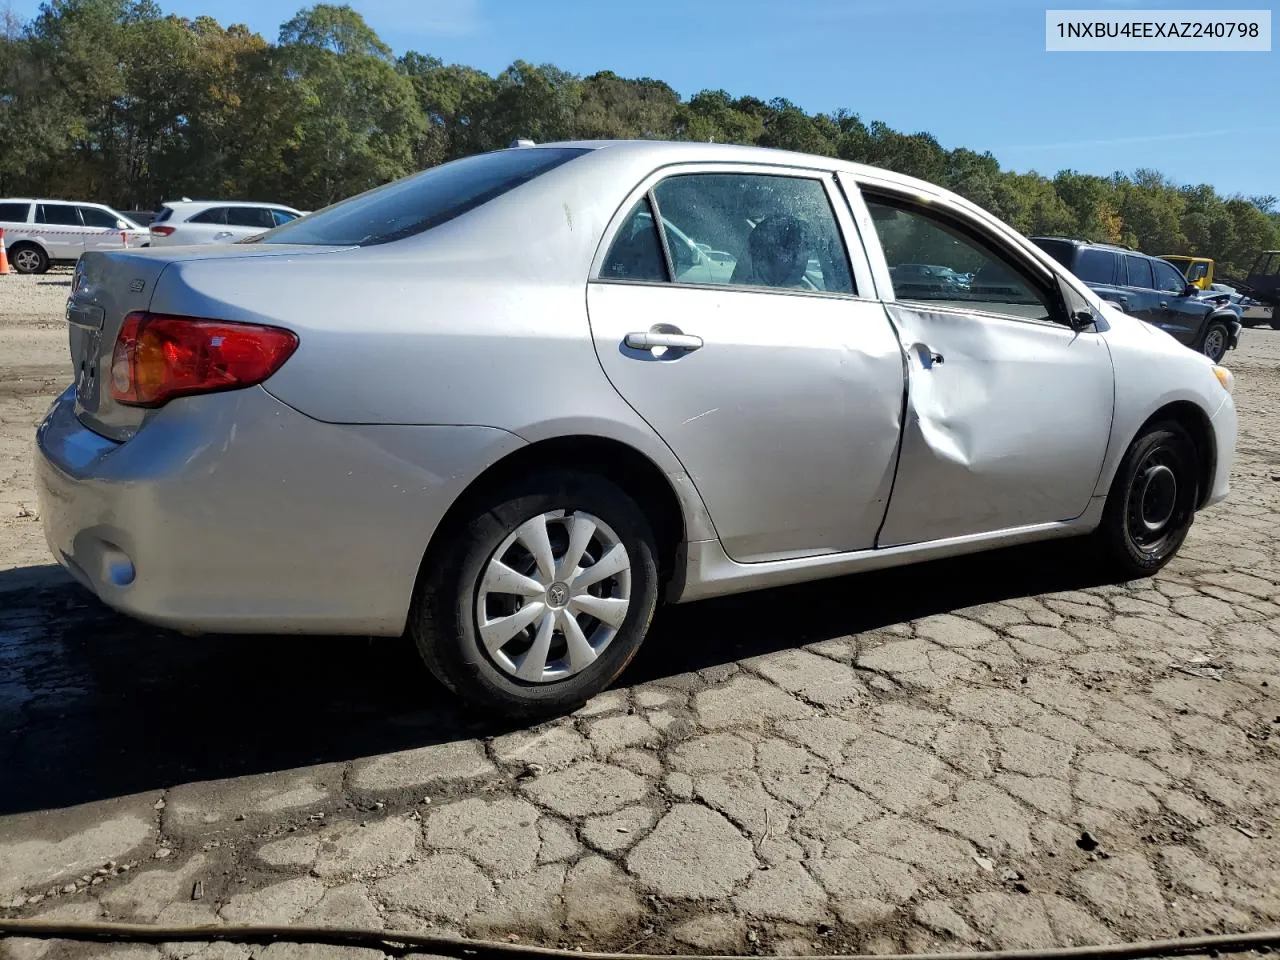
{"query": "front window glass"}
[(1168, 279), (932, 260), (93, 217), (416, 204)]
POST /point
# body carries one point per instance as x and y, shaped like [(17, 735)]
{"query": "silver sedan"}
[(511, 403)]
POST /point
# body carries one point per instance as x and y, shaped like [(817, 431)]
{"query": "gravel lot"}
[(901, 761)]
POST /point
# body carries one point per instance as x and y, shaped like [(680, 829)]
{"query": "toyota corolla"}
[(510, 404)]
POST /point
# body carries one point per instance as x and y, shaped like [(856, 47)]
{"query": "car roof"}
[(191, 204), (79, 203)]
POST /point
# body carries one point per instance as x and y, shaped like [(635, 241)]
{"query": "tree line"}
[(115, 101)]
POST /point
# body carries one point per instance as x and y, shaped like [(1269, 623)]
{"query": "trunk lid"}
[(108, 286)]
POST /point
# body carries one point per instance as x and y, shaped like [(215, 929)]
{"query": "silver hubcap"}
[(26, 260), (1159, 497), (1214, 342), (553, 595)]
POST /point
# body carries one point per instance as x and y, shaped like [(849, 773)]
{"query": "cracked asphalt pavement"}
[(1000, 751)]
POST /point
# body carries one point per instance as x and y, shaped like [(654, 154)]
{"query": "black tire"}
[(1129, 547), (28, 258), (444, 620), (1213, 344)]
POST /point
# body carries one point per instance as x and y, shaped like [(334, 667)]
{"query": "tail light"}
[(157, 358), (161, 231)]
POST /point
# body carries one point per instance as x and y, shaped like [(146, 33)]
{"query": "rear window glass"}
[(418, 203), (60, 214), (1060, 250), (250, 217), (14, 212), (1096, 266), (164, 214), (212, 215), (1140, 272)]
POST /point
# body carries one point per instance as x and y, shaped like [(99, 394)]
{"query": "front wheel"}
[(1216, 338), (539, 596), (1152, 502)]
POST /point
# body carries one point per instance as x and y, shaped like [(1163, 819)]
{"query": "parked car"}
[(40, 233), (1252, 312), (1197, 270), (483, 405), (1150, 289), (203, 221)]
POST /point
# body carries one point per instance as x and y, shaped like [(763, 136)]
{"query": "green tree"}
[(355, 118)]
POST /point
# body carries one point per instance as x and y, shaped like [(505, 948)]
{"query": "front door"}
[(740, 336), (102, 230), (1009, 410)]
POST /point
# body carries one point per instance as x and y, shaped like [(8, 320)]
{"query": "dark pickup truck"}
[(1150, 289)]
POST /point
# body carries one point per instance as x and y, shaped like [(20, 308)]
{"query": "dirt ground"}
[(995, 752)]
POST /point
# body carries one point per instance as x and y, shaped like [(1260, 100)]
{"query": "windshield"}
[(416, 204)]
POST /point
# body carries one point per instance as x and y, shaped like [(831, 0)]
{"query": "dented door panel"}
[(1007, 423)]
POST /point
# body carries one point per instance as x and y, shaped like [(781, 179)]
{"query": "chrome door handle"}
[(648, 340)]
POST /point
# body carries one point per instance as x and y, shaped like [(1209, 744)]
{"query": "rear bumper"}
[(1223, 424), (234, 513)]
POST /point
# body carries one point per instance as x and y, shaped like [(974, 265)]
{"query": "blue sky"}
[(973, 74)]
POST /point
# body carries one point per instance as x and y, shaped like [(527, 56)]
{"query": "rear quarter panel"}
[(482, 321)]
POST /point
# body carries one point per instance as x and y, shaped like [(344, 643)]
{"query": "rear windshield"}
[(418, 203)]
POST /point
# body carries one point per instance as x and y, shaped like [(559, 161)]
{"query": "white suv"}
[(204, 221), (38, 233)]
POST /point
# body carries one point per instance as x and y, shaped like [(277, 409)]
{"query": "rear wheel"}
[(539, 596), (28, 258), (1216, 338), (1152, 502)]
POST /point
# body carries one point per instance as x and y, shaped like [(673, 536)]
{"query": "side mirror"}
[(121, 225), (1080, 314), (1190, 290)]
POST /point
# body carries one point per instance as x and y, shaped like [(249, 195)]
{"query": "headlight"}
[(1225, 378)]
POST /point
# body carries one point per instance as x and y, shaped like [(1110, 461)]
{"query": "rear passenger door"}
[(207, 226), (61, 230), (752, 343), (246, 221)]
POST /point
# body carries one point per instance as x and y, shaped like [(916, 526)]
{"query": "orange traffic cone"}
[(4, 257)]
